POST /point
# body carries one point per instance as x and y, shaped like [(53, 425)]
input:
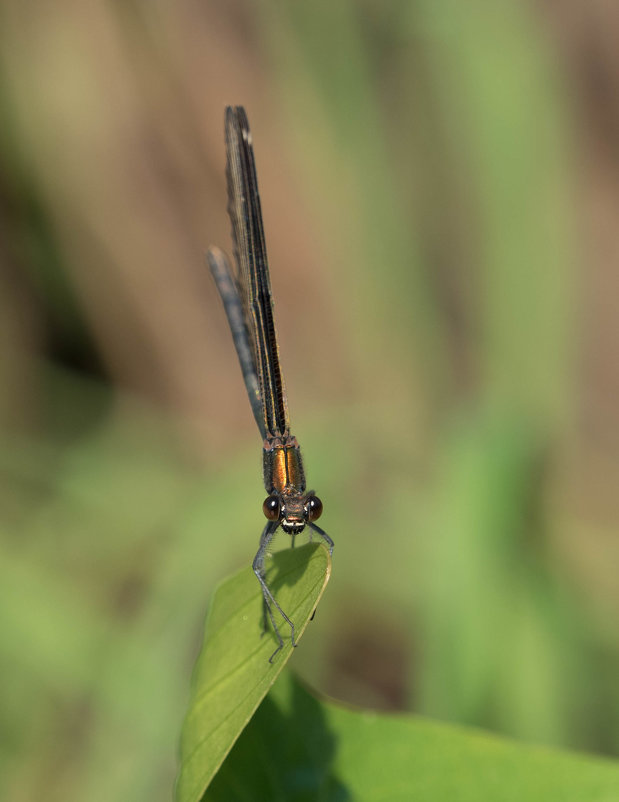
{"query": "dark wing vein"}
[(253, 278)]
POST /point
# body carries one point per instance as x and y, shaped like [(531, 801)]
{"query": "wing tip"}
[(236, 117)]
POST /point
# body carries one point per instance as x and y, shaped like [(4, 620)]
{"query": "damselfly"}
[(246, 295)]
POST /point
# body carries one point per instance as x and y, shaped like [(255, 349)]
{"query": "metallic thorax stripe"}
[(283, 466)]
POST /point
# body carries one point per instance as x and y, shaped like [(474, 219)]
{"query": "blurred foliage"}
[(421, 196), (320, 750)]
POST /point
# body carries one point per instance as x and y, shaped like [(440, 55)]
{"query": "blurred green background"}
[(440, 187)]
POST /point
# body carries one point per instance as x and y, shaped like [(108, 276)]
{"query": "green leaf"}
[(299, 749), (233, 673)]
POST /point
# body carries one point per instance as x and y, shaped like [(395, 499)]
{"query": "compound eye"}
[(270, 508), (314, 508)]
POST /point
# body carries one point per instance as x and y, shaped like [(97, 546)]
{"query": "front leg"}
[(269, 599)]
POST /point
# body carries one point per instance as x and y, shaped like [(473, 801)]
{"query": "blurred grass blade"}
[(299, 748), (233, 673)]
